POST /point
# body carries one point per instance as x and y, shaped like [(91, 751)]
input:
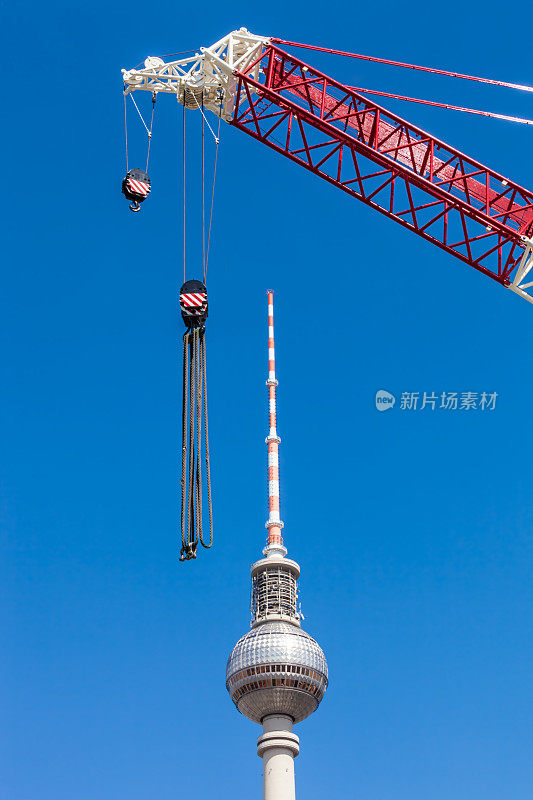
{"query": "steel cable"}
[(191, 533), (195, 424), (212, 202), (198, 453), (207, 458), (203, 192), (150, 131), (184, 185), (126, 129), (184, 443), (388, 61), (479, 112)]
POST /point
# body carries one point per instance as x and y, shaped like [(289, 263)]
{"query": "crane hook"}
[(136, 187)]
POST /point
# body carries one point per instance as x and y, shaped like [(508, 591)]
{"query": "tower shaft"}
[(278, 746)]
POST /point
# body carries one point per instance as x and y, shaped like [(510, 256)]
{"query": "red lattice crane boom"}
[(332, 130)]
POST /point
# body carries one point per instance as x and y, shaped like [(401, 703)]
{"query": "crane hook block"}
[(136, 187), (193, 304)]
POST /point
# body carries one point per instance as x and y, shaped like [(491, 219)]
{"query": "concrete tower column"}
[(278, 747)]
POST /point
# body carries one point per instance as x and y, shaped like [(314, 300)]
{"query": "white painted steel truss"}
[(207, 76)]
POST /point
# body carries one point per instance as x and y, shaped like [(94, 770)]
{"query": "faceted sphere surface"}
[(276, 668)]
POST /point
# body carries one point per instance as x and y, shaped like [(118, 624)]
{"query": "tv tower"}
[(276, 674)]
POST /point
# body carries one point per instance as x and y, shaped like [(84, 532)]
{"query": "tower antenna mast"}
[(274, 523)]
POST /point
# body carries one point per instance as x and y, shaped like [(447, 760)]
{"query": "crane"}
[(331, 129), (336, 132)]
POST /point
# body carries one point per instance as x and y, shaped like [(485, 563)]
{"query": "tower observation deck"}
[(277, 673)]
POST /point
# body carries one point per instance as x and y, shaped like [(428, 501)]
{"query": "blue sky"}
[(413, 528)]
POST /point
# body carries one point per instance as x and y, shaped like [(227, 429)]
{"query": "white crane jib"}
[(207, 77)]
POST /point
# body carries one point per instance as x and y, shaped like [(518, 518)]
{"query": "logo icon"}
[(384, 400)]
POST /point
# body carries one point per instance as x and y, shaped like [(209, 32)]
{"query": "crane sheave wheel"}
[(193, 303)]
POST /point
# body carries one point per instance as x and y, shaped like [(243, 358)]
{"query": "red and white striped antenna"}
[(274, 523)]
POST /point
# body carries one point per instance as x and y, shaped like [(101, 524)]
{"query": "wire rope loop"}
[(207, 457), (184, 442), (191, 532), (198, 405)]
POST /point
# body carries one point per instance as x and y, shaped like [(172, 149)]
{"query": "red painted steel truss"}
[(392, 166)]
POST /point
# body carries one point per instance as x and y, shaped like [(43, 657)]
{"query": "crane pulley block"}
[(193, 304), (136, 187)]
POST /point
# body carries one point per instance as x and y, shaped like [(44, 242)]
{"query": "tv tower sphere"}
[(277, 673), (276, 668)]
